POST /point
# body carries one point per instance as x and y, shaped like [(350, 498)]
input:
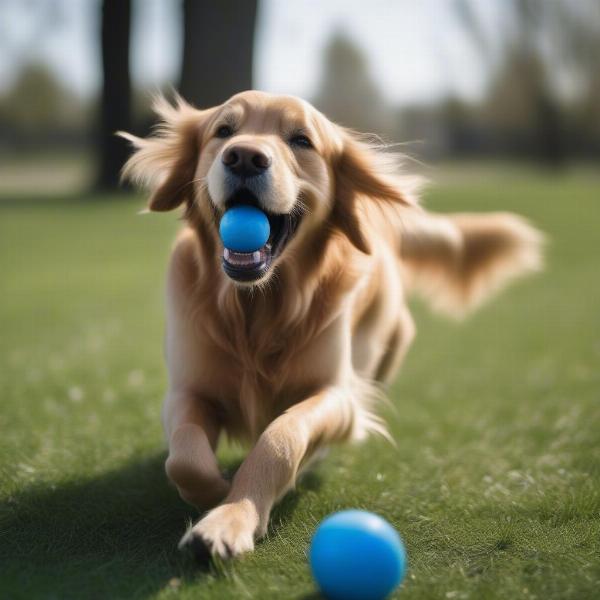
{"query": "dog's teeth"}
[(243, 258)]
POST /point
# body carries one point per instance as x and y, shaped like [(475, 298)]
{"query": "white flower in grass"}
[(56, 363), (76, 394), (109, 396), (34, 375), (174, 583), (136, 378)]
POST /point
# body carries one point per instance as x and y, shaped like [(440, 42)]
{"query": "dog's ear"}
[(166, 161), (362, 174)]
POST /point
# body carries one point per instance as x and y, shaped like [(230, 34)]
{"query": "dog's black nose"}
[(245, 161)]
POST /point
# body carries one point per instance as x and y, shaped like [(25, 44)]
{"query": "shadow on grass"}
[(111, 536), (309, 480)]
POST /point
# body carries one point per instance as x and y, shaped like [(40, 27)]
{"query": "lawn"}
[(494, 483)]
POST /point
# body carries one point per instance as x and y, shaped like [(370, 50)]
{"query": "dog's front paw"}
[(226, 531)]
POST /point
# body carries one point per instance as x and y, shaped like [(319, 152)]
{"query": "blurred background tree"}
[(38, 106), (535, 64), (543, 65), (216, 66), (347, 92), (115, 102)]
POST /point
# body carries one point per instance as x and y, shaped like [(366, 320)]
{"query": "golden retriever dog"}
[(285, 348)]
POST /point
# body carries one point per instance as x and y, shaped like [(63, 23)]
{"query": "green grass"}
[(494, 484)]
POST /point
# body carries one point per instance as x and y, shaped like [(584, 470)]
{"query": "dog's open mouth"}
[(251, 266)]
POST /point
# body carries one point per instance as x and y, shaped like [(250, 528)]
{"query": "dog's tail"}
[(455, 262)]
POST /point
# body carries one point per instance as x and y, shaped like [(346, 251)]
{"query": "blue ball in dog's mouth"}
[(252, 239), (244, 229)]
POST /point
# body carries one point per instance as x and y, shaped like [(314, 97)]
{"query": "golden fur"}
[(289, 363)]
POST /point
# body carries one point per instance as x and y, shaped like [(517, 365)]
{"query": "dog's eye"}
[(300, 141), (224, 131)]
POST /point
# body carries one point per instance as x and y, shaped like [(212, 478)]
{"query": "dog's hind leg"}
[(400, 339)]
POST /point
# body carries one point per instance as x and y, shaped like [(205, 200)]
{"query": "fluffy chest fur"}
[(253, 355)]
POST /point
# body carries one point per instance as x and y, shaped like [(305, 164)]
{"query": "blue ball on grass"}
[(357, 555)]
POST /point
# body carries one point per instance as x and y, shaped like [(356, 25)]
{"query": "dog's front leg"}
[(192, 432), (269, 471)]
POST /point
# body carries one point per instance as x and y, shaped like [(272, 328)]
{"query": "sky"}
[(417, 50)]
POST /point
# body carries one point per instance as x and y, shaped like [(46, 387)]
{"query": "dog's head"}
[(275, 152)]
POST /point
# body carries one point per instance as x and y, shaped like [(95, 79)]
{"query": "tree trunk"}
[(550, 142), (115, 110), (218, 44)]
